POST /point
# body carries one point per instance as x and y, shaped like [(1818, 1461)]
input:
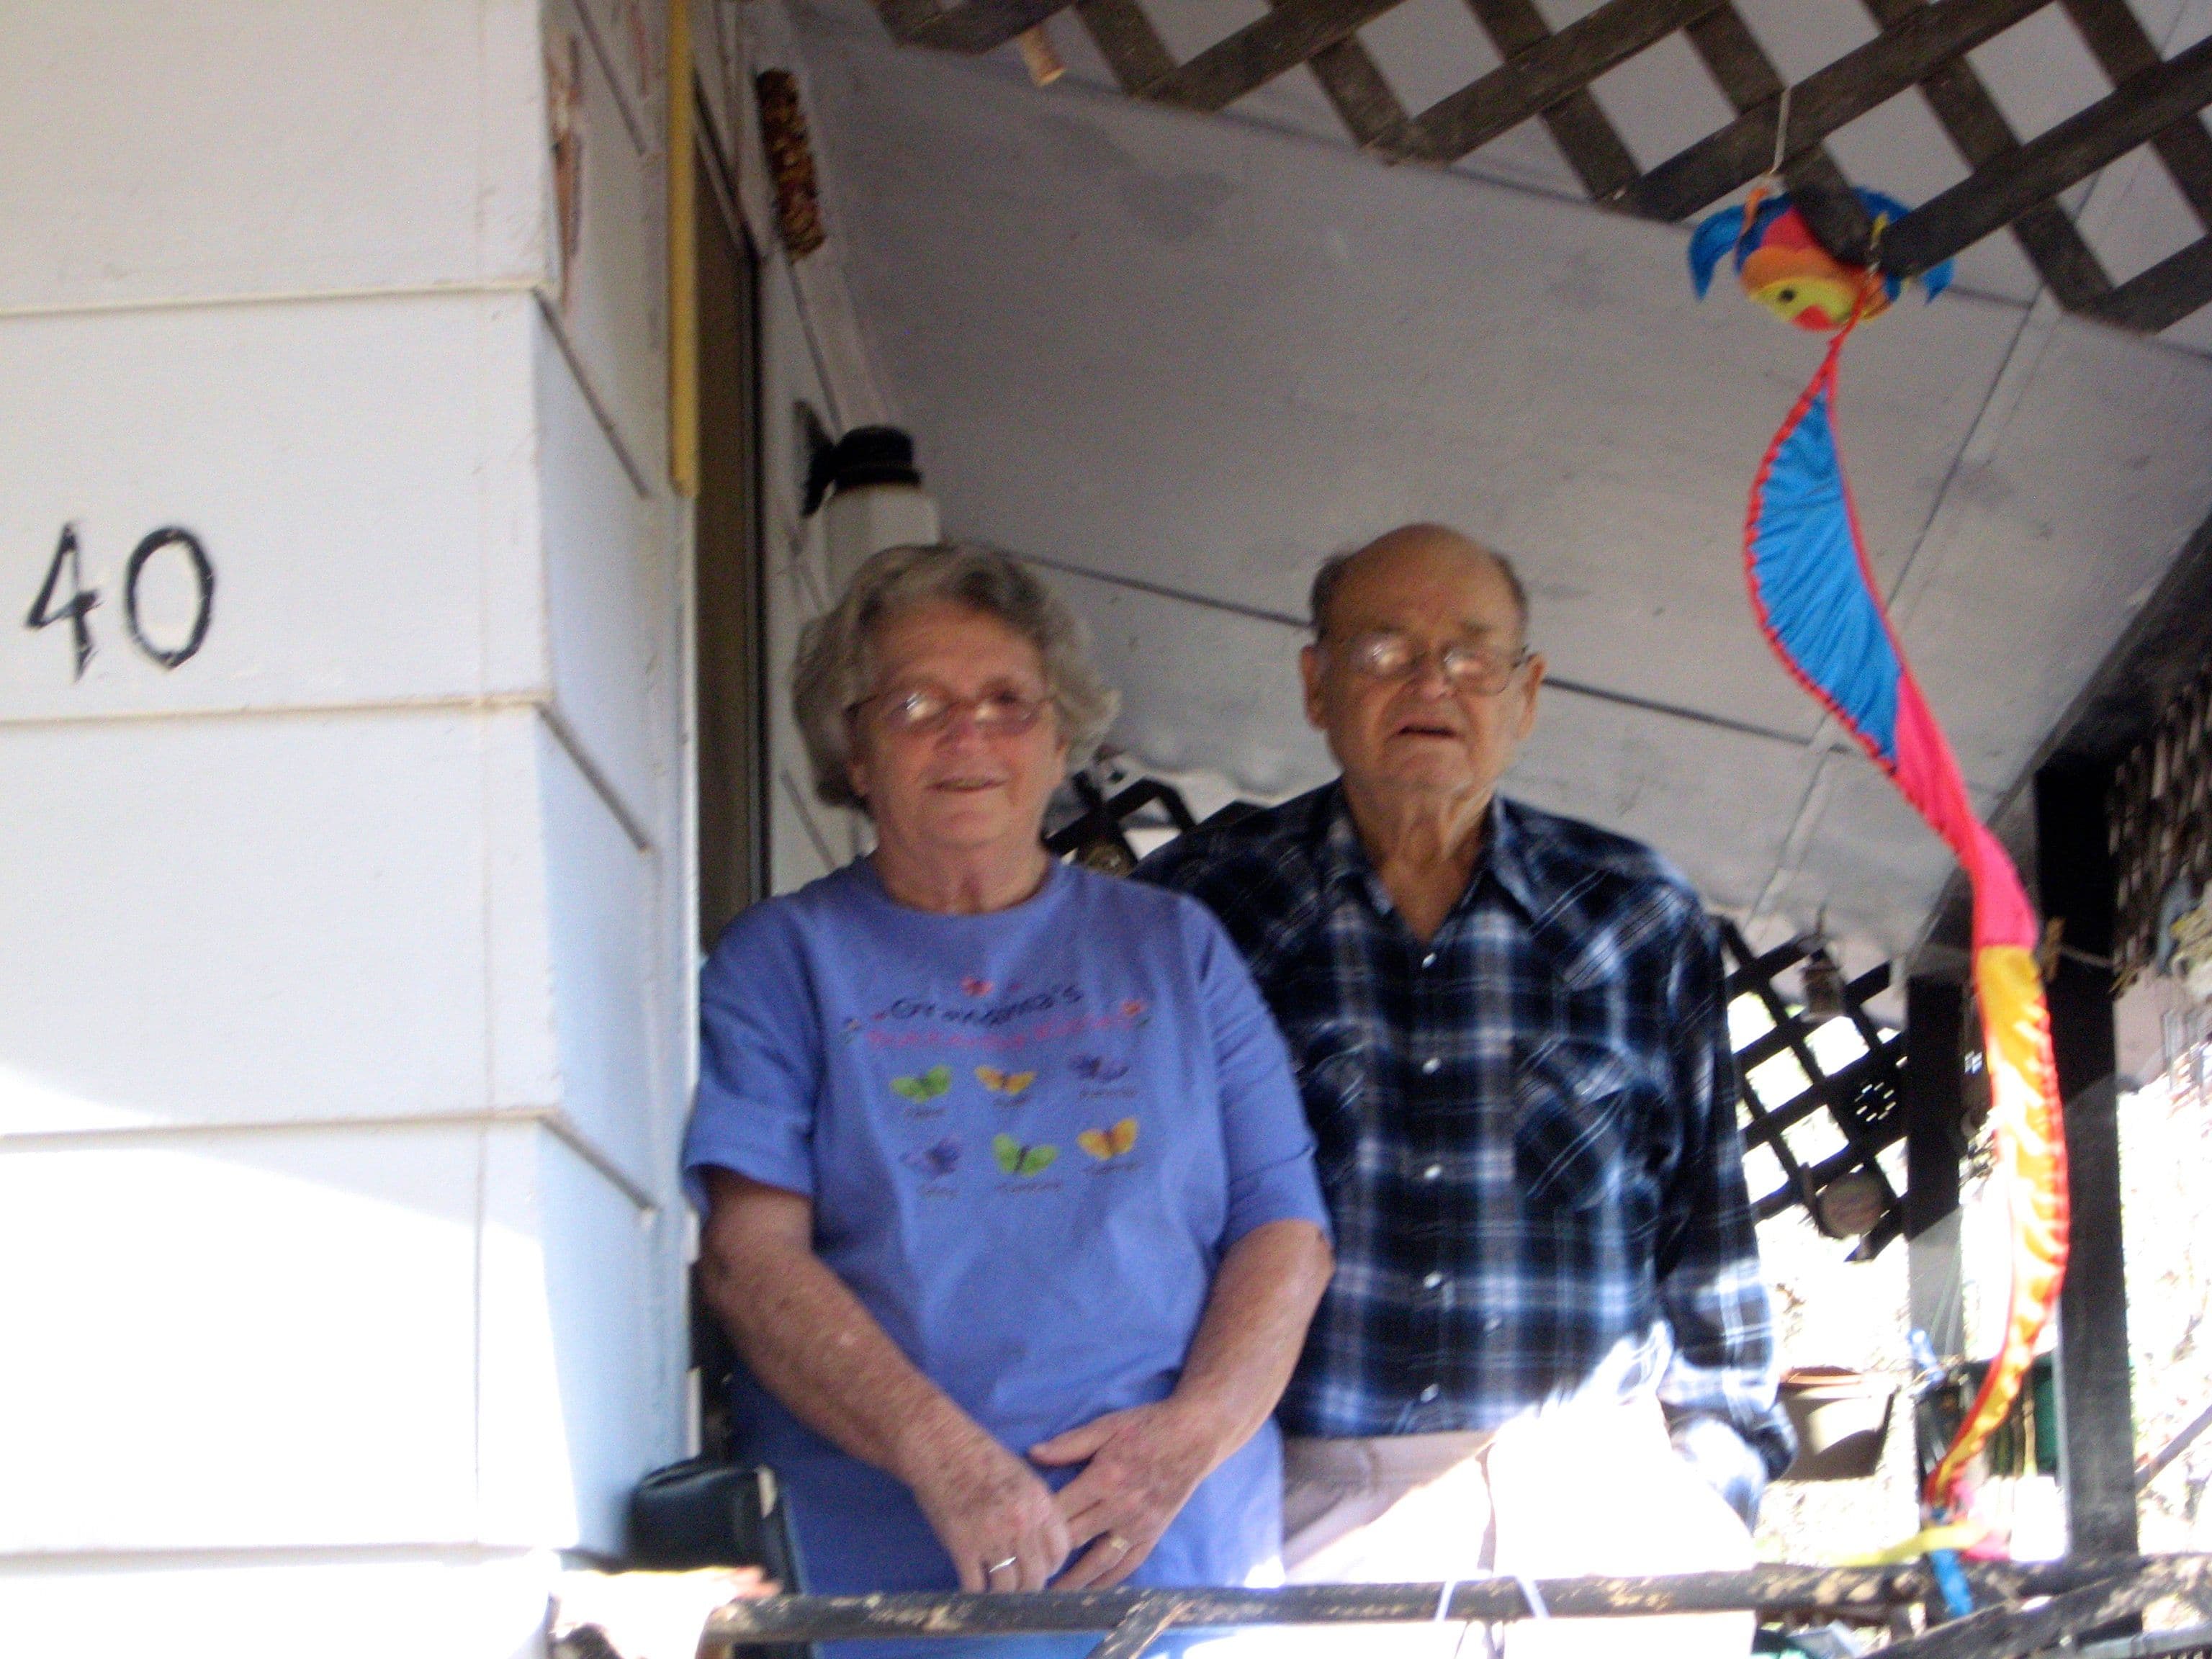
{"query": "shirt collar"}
[(1337, 848), (1508, 851), (1513, 854)]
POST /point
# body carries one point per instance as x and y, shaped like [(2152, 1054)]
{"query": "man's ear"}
[(1532, 676), (1310, 672)]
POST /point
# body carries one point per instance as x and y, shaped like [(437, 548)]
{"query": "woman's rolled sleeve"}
[(1269, 1147), (760, 1060)]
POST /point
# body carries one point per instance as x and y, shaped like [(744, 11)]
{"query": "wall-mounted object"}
[(790, 162), (1820, 978), (869, 492)]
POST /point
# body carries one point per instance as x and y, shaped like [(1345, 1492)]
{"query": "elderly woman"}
[(1011, 1208)]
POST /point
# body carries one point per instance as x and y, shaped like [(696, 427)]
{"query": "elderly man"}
[(1509, 1033)]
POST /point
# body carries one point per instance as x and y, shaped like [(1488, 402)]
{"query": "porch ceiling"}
[(1190, 356)]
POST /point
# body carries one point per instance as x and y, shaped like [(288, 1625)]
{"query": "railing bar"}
[(1140, 1627), (1865, 1593)]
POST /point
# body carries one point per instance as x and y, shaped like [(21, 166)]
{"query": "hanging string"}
[(1527, 1586), (1529, 1594), (1768, 182)]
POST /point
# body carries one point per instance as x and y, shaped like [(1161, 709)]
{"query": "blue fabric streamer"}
[(1806, 568)]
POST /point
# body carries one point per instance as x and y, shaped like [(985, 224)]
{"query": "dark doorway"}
[(732, 728)]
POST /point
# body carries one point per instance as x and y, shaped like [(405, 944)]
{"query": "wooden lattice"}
[(2161, 813), (1099, 837), (1546, 75), (1863, 1099)]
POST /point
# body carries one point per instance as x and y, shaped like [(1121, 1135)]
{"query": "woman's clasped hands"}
[(1007, 1530)]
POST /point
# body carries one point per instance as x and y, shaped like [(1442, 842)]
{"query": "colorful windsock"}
[(1815, 598)]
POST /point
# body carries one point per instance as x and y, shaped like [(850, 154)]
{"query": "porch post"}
[(2073, 863), (1933, 1104)]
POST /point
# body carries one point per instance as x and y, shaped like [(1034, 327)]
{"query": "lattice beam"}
[(2123, 51), (1749, 80), (1582, 130), (1357, 93), (1548, 71), (1128, 41), (1287, 37), (1825, 101), (2145, 103), (1979, 131)]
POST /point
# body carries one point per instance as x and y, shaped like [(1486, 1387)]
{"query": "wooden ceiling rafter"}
[(1546, 74)]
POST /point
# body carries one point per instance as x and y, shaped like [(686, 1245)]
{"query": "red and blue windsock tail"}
[(1817, 601)]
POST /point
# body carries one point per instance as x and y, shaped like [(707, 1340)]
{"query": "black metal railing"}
[(2022, 1608)]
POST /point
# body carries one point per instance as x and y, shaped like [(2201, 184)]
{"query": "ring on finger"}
[(1001, 1566), (1116, 1543)]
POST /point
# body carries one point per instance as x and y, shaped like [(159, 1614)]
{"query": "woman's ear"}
[(856, 764)]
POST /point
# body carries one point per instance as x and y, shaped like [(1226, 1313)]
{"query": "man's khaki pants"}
[(1580, 1489)]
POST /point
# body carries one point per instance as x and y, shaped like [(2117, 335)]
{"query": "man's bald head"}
[(1411, 542)]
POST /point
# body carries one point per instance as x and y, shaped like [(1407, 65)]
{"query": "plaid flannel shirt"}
[(1527, 1129)]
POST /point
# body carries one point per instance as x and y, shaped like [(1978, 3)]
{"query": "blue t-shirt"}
[(1028, 1137)]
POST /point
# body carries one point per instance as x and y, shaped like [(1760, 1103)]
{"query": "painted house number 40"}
[(75, 603)]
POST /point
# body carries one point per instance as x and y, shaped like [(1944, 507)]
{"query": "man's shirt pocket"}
[(1574, 1108)]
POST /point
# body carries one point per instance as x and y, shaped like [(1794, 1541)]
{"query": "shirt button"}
[(1431, 1065), (1432, 1172), (1432, 1281), (1430, 1393)]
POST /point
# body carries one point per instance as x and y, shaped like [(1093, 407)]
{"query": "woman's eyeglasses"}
[(1387, 654), (925, 712)]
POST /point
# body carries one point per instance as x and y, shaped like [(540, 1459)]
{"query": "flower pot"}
[(1842, 1418)]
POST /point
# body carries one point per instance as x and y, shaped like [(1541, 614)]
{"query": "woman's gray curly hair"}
[(836, 668)]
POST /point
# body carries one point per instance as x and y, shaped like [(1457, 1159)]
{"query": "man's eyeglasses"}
[(1387, 654), (925, 712)]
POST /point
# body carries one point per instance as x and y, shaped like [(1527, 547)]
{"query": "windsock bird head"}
[(1783, 266)]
